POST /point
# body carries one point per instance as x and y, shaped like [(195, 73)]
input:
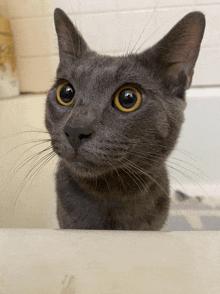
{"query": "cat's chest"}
[(116, 195)]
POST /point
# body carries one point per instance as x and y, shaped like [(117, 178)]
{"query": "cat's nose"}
[(77, 136)]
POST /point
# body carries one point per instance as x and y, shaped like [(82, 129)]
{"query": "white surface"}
[(196, 160), (31, 203), (92, 262)]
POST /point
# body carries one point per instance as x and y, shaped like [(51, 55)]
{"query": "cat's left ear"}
[(176, 54), (69, 39)]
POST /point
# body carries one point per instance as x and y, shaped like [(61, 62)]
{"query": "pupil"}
[(67, 93), (127, 98)]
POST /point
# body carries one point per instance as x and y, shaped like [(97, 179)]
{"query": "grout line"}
[(207, 46), (205, 86), (25, 95), (203, 92), (118, 53), (194, 92), (38, 56)]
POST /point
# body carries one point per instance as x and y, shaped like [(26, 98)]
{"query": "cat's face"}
[(104, 113)]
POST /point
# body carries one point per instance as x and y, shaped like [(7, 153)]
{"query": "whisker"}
[(50, 157), (133, 174), (107, 185), (137, 176), (42, 141), (115, 169), (169, 19), (190, 178), (24, 132), (16, 169), (31, 157), (128, 168), (130, 142), (184, 174), (185, 152), (155, 8), (138, 154), (190, 170), (158, 157), (127, 51), (151, 178), (29, 175)]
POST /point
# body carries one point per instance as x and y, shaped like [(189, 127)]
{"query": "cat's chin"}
[(87, 169)]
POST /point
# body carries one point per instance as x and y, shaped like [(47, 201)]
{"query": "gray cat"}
[(113, 121)]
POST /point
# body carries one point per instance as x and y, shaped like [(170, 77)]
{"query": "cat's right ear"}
[(175, 55), (70, 41)]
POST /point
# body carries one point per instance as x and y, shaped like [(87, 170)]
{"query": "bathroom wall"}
[(114, 27)]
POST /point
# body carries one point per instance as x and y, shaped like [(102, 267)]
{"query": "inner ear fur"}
[(177, 52), (70, 41)]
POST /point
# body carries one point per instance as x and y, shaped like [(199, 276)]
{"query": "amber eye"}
[(65, 93), (127, 99)]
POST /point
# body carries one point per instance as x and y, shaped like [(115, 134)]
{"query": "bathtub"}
[(28, 201)]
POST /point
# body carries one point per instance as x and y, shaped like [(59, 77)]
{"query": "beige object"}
[(106, 262), (8, 79), (6, 43)]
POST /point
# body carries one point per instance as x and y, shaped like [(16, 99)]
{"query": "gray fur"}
[(117, 179)]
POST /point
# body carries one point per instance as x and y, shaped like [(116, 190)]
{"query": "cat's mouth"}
[(86, 163), (84, 167)]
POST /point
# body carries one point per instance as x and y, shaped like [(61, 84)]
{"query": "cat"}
[(113, 121)]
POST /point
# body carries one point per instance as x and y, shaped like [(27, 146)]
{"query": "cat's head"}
[(104, 113)]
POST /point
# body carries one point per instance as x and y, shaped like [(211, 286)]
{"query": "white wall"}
[(108, 27)]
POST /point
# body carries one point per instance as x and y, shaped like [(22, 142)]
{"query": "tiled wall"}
[(112, 26)]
